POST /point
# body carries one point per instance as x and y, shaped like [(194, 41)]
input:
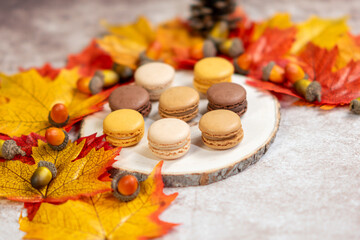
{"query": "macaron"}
[(209, 71), (130, 97), (124, 127), (179, 102), (221, 129), (169, 138), (155, 77), (227, 95)]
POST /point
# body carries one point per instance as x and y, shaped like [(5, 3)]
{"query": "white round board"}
[(201, 165)]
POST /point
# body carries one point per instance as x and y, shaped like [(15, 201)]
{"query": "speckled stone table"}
[(307, 186)]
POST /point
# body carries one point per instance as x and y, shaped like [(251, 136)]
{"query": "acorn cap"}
[(9, 149), (123, 71), (63, 145), (238, 69), (50, 166), (117, 194), (313, 92), (96, 82), (267, 70), (55, 124), (143, 59), (355, 106), (209, 48)]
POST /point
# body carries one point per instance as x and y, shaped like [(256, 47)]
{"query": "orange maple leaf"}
[(30, 97), (89, 60), (75, 176), (103, 216)]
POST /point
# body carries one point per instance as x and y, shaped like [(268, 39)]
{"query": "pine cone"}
[(205, 14)]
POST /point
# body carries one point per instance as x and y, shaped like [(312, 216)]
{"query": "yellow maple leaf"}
[(127, 40), (74, 178), (123, 51), (140, 31), (103, 216), (279, 20), (348, 50), (322, 32), (31, 96)]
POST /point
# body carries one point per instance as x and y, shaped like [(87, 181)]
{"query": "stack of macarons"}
[(209, 71), (155, 77), (169, 138), (179, 102)]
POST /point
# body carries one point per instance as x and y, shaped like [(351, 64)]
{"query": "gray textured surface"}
[(307, 186)]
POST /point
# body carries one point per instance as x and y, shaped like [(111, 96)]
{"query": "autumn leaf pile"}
[(324, 48)]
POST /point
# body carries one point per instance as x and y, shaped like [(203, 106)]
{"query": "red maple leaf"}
[(273, 45), (89, 60), (26, 142), (46, 70), (338, 87)]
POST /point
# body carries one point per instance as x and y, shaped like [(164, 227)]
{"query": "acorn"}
[(294, 72), (44, 173), (204, 49), (310, 90), (273, 72), (242, 64), (232, 47), (355, 106), (56, 138), (58, 115), (126, 186), (9, 149), (124, 72), (83, 85)]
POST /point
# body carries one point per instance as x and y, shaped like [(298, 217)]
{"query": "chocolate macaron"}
[(179, 102), (230, 96), (221, 129), (130, 97)]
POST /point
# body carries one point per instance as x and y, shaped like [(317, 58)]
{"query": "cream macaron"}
[(155, 77), (169, 138)]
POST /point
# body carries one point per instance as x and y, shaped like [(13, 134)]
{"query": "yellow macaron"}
[(124, 127), (209, 71)]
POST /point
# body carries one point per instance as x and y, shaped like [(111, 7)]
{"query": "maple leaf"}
[(46, 70), (73, 180), (25, 142), (279, 21), (89, 60), (349, 50), (31, 97), (321, 32), (273, 45), (339, 87), (103, 216), (127, 41)]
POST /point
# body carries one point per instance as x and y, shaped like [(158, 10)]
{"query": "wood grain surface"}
[(307, 186)]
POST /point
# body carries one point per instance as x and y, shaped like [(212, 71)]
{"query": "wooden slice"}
[(201, 165)]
